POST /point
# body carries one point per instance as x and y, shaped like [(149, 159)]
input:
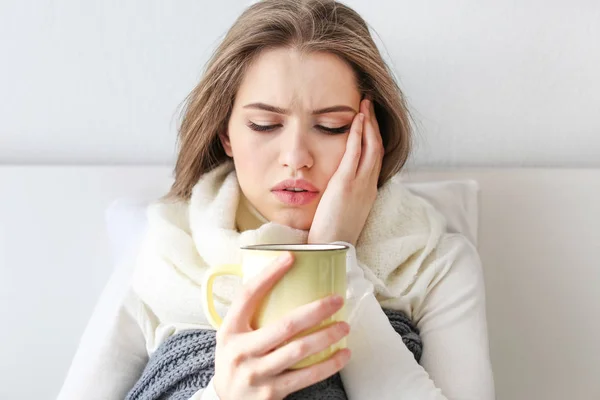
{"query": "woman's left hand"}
[(351, 191)]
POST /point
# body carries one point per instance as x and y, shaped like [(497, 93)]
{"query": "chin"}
[(296, 219)]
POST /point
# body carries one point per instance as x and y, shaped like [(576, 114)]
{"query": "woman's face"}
[(288, 129)]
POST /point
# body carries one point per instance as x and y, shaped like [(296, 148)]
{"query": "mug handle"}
[(208, 301)]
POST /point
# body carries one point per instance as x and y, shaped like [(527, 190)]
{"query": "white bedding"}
[(537, 238)]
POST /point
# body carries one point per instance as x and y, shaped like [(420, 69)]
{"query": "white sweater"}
[(455, 362), (446, 300)]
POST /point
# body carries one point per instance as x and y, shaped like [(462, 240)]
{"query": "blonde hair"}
[(306, 26)]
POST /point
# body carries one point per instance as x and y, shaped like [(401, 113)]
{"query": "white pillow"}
[(457, 200), (125, 225)]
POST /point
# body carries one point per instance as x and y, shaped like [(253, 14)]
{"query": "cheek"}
[(331, 153), (245, 147), (246, 162)]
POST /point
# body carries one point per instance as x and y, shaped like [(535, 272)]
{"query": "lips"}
[(296, 192), (295, 184)]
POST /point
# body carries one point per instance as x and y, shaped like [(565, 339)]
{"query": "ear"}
[(224, 138)]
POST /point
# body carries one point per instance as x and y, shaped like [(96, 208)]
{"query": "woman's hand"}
[(249, 364), (351, 191)]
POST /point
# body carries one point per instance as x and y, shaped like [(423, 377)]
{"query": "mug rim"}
[(297, 247)]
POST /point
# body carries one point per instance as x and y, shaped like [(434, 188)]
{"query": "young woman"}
[(294, 135)]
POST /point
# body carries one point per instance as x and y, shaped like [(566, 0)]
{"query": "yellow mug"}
[(319, 270)]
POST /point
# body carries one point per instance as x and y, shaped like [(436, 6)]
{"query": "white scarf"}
[(184, 239)]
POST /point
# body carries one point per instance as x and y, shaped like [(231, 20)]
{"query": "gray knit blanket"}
[(185, 363)]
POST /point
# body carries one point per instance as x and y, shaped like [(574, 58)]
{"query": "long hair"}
[(304, 25)]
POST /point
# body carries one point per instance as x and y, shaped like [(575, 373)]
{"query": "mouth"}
[(295, 185), (295, 192)]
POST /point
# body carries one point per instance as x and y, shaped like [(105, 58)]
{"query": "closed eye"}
[(267, 128), (262, 128), (341, 129)]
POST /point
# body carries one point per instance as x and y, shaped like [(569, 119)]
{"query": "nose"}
[(295, 149)]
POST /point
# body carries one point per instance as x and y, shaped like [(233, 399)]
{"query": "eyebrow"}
[(326, 110)]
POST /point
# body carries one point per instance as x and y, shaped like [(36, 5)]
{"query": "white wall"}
[(490, 82)]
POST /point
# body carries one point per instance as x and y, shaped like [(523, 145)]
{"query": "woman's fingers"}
[(295, 380), (364, 148), (372, 145), (350, 160), (298, 320), (283, 358), (372, 113), (243, 307)]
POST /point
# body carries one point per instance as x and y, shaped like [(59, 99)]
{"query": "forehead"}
[(287, 78)]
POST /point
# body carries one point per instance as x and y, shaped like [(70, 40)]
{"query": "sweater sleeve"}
[(111, 354), (455, 362)]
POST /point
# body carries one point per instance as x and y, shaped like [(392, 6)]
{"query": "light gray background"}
[(491, 83)]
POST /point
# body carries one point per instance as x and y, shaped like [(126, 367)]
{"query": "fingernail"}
[(344, 327), (337, 300), (285, 257), (347, 354), (361, 117), (344, 355)]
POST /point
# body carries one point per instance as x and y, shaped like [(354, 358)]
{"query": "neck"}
[(248, 217)]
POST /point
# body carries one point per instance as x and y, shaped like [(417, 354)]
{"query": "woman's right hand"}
[(250, 364)]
